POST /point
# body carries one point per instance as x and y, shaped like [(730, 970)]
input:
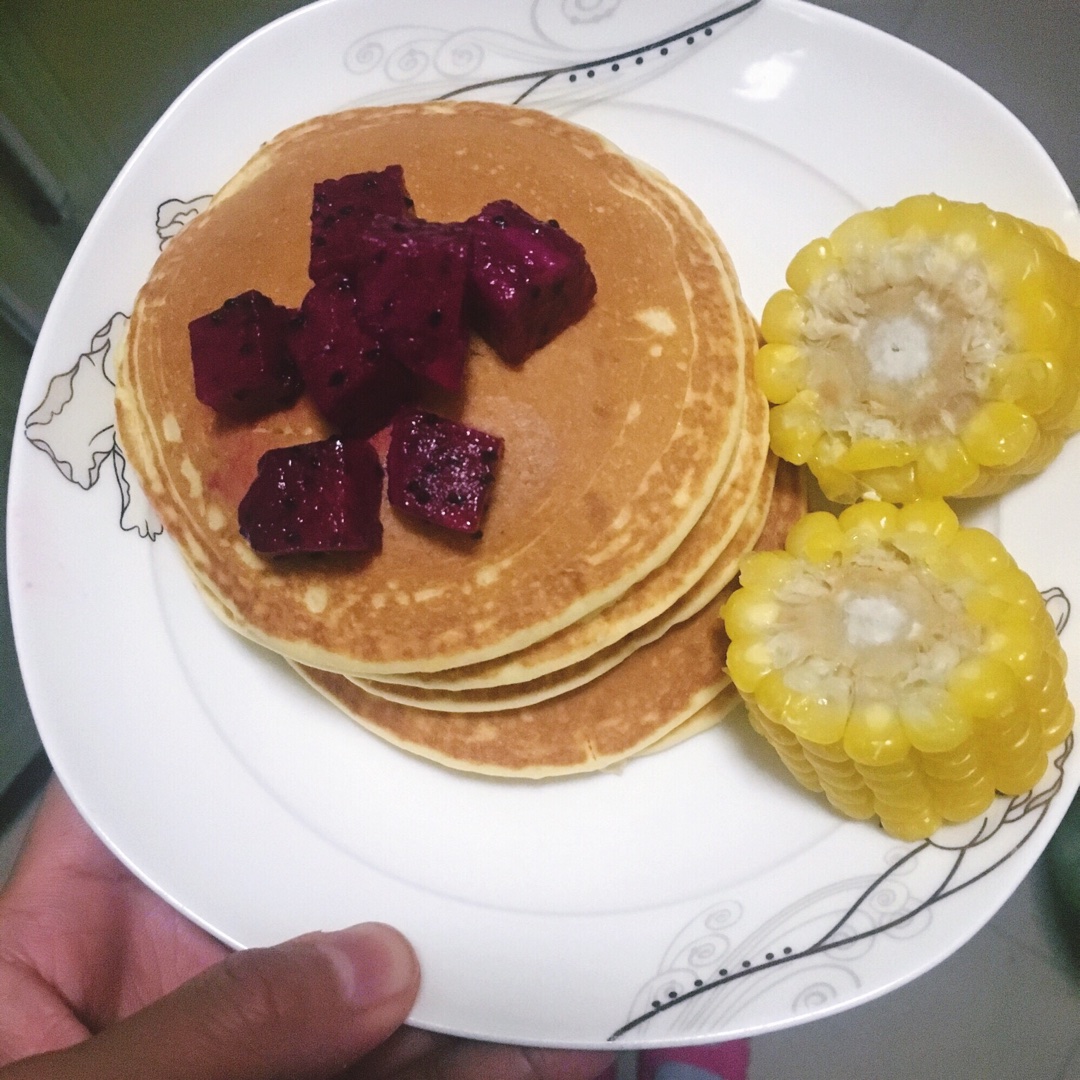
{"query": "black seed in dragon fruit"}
[(341, 209), (440, 470), (315, 497), (241, 362), (347, 374), (410, 286), (528, 280)]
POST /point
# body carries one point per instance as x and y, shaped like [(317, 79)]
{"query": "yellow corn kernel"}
[(866, 454), (944, 468), (816, 537), (1013, 640), (780, 371), (794, 428), (1016, 756), (979, 555), (910, 827), (1045, 676), (1052, 713), (931, 725), (1030, 380), (1035, 320), (748, 662), (927, 350), (999, 434), (1056, 725), (975, 224), (1059, 414), (892, 484), (836, 771), (899, 662), (869, 522), (1047, 447), (773, 695), (837, 776), (1012, 585), (765, 570), (1053, 239), (958, 767), (818, 719), (929, 518), (862, 232), (983, 687), (814, 262), (749, 613), (783, 317), (920, 214), (898, 784), (787, 747), (836, 485), (1017, 259), (875, 736), (965, 802), (1021, 775)]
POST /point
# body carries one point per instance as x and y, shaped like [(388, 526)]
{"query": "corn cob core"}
[(926, 349), (900, 663)]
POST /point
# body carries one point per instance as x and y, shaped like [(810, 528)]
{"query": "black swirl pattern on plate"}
[(614, 62), (884, 905), (410, 62)]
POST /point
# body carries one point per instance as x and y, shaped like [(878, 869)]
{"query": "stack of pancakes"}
[(581, 627)]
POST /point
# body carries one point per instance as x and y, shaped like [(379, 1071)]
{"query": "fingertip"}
[(374, 962)]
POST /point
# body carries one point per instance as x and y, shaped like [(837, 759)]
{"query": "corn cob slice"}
[(901, 663), (931, 348)]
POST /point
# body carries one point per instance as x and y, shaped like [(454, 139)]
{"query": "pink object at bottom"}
[(729, 1060)]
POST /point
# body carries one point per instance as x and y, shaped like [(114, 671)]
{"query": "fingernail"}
[(373, 961)]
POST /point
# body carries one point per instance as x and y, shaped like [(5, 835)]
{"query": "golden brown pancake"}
[(704, 563), (555, 738), (647, 697), (705, 718), (778, 503), (604, 721), (617, 434)]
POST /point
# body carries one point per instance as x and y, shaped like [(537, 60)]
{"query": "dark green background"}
[(81, 81)]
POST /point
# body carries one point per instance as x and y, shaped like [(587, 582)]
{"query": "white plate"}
[(689, 897)]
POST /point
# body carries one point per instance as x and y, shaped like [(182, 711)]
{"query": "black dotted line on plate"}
[(1033, 806), (687, 36), (724, 975), (639, 57)]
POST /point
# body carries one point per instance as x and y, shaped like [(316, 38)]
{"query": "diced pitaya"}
[(320, 496), (341, 209), (410, 283), (528, 280), (242, 365), (348, 375), (441, 470)]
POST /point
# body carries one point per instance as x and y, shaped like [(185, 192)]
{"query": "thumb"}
[(303, 1010)]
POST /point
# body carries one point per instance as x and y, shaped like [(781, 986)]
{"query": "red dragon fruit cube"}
[(341, 209), (410, 283), (528, 280), (441, 470), (315, 497), (242, 365), (346, 372)]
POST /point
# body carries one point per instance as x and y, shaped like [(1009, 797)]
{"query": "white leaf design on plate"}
[(74, 422)]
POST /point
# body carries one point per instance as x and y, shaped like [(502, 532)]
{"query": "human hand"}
[(100, 978)]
